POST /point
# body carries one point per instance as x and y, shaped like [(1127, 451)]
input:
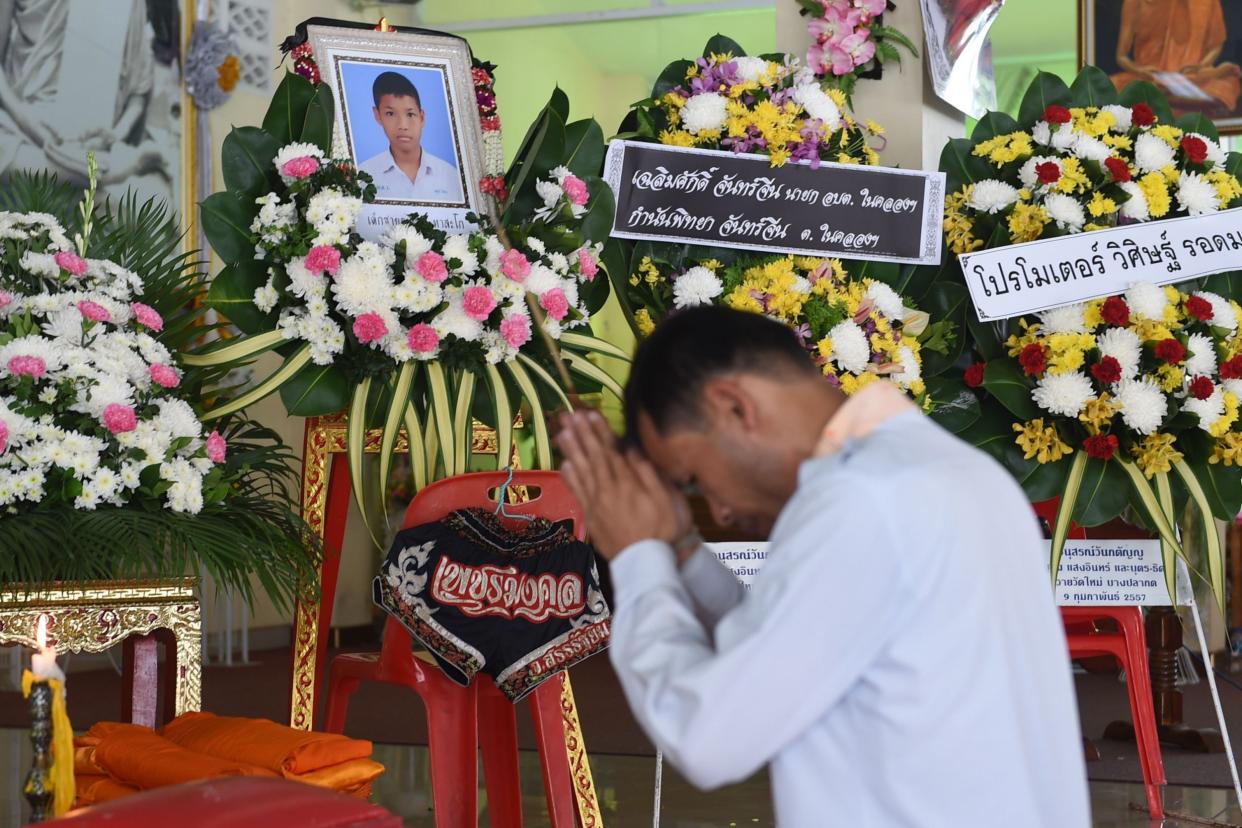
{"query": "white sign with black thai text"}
[(1026, 278), (1098, 573), (724, 199)]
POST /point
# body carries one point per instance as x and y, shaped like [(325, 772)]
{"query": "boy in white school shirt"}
[(898, 660), (406, 170)]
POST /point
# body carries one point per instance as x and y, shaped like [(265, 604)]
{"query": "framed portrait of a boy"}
[(406, 115), (1191, 49)]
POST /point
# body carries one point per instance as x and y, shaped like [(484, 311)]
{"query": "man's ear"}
[(375, 112), (728, 402)]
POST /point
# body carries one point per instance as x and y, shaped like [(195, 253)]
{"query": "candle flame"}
[(41, 633), (384, 26)]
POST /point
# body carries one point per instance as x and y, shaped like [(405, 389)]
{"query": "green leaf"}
[(559, 103), (673, 75), (316, 390), (317, 125), (1200, 123), (415, 436), (946, 301), (1223, 485), (543, 446), (442, 411), (1006, 382), (960, 166), (246, 161), (1105, 493), (1228, 285), (987, 340), (397, 408), (721, 45), (1046, 480), (1061, 526), (1047, 89), (955, 406), (593, 344), (226, 221), (1150, 94), (1093, 88), (286, 115), (236, 350), (504, 416), (355, 449), (232, 294), (544, 148), (462, 421), (581, 365), (584, 148), (292, 365), (597, 223), (1212, 549), (991, 125)]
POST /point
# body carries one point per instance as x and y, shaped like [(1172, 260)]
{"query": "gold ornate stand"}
[(91, 616), (325, 507)]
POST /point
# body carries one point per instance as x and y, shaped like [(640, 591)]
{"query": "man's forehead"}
[(662, 449)]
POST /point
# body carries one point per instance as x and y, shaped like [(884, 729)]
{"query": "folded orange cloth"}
[(136, 755), (275, 747), (84, 761), (95, 788), (353, 777)]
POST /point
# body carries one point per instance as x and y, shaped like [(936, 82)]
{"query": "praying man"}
[(898, 660), (406, 171)]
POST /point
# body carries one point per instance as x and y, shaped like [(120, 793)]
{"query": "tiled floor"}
[(626, 790)]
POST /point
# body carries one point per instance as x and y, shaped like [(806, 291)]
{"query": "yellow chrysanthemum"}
[(1156, 454), (642, 318), (1097, 413), (1091, 316), (1227, 187), (1101, 205), (1228, 450), (852, 384), (1151, 331), (1170, 377), (1124, 142), (1170, 134), (1067, 352), (676, 138), (741, 299), (1040, 441), (874, 128), (1226, 420), (1073, 176), (824, 347), (1016, 342), (958, 229), (1026, 222), (1156, 189)]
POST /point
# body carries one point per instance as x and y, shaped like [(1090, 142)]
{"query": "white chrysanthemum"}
[(1122, 116), (887, 301), (1143, 404), (992, 196), (1222, 312), (801, 285), (458, 247), (296, 150), (1202, 355), (850, 348), (549, 191), (1027, 174), (1152, 153), (1063, 138), (541, 279), (1196, 195), (1063, 394), (454, 321), (105, 391), (1209, 410), (1041, 133), (1065, 319), (39, 264), (697, 286), (417, 295), (363, 285), (1065, 211), (1232, 386), (302, 282), (818, 105), (750, 68), (1147, 300), (1134, 207), (266, 297), (1091, 149), (704, 112), (910, 371), (1123, 345), (178, 418), (1215, 155), (416, 244)]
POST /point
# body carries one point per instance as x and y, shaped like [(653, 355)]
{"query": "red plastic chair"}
[(1129, 646), (459, 718)]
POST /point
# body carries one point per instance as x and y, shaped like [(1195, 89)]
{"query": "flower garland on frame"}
[(851, 42), (1126, 402)]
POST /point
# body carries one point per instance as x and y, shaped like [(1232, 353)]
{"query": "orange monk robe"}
[(1176, 36), (137, 756)]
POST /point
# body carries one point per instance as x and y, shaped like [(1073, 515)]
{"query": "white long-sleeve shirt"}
[(897, 662)]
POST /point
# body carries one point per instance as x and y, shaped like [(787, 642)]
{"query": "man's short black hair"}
[(394, 83), (692, 347)]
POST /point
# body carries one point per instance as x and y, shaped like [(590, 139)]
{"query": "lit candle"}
[(43, 663)]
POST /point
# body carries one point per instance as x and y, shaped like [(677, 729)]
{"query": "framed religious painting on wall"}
[(1191, 49), (406, 114), (101, 76)]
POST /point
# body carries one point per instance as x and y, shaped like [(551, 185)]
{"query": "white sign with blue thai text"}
[(1026, 278), (742, 559), (1117, 573)]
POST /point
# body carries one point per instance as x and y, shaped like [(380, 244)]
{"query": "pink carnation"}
[(30, 366), (94, 312), (516, 330), (431, 267), (587, 264), (70, 262), (514, 265), (164, 375), (4, 436), (478, 302), (555, 303), (576, 189), (216, 447), (119, 418), (323, 257), (300, 167), (423, 338), (147, 316), (6, 299), (370, 327)]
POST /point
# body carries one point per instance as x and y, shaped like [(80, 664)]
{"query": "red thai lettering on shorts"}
[(505, 592)]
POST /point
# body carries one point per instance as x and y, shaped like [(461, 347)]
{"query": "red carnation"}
[(1195, 148), (1199, 308), (1170, 351), (1049, 172), (974, 374), (1201, 388), (1100, 446), (1107, 370), (1034, 359), (1056, 114), (1116, 311), (1232, 368), (1119, 169), (1142, 115)]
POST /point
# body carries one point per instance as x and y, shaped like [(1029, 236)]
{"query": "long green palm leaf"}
[(392, 426), (463, 422), (355, 446), (1213, 550), (1065, 511), (504, 417), (442, 414), (543, 446), (286, 372)]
